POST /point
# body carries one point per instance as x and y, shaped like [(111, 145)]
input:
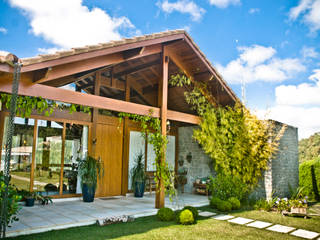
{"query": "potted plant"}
[(138, 176), (89, 170), (30, 197)]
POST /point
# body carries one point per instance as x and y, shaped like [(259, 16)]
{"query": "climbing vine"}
[(151, 132), (238, 143), (26, 104)]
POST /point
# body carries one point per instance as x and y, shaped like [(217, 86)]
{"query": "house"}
[(130, 75)]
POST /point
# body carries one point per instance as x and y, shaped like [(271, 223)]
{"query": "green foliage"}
[(152, 125), (193, 210), (263, 204), (298, 203), (226, 186), (186, 217), (282, 204), (214, 202), (235, 203), (309, 148), (238, 143), (13, 199), (165, 214), (138, 172), (26, 104), (224, 206), (305, 177), (89, 170)]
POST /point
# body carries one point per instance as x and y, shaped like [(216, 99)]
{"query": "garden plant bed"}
[(206, 228)]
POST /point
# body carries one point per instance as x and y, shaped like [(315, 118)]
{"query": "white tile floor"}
[(65, 214)]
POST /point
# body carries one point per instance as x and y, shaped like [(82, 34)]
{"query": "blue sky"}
[(271, 47)]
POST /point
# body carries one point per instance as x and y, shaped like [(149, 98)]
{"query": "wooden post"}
[(62, 157), (125, 144), (34, 149), (95, 113), (160, 194)]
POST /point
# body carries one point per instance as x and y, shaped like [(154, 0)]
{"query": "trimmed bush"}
[(235, 203), (214, 202), (186, 217), (165, 214), (193, 210), (224, 206), (310, 179)]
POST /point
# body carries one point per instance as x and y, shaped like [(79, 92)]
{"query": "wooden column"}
[(34, 149), (62, 157), (95, 113), (125, 145), (163, 97)]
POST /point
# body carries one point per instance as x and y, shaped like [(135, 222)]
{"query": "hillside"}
[(309, 148)]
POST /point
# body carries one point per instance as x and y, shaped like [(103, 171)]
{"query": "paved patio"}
[(72, 213)]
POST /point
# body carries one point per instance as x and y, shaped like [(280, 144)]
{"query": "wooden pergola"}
[(130, 75)]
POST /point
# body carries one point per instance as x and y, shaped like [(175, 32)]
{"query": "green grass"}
[(206, 228)]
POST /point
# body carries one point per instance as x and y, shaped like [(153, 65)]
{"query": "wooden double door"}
[(109, 144)]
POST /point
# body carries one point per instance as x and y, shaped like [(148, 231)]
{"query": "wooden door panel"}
[(109, 149)]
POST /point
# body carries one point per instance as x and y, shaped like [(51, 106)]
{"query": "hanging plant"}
[(26, 104)]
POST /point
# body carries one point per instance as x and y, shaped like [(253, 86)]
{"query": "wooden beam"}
[(95, 113), (92, 63), (178, 116), (63, 95), (136, 69), (160, 194)]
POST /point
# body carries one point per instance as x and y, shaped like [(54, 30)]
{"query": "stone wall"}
[(199, 165), (284, 168)]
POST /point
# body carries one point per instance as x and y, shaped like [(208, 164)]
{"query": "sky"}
[(268, 51)]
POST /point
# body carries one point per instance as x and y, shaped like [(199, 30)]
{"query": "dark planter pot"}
[(88, 193), (139, 189), (29, 202)]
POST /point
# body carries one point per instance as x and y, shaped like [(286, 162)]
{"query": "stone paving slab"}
[(223, 217), (259, 224), (280, 228), (207, 214), (240, 220), (305, 234)]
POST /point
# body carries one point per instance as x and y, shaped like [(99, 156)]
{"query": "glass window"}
[(137, 144), (48, 157), (170, 154), (21, 153), (76, 147)]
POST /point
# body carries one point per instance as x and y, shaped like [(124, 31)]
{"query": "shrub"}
[(282, 204), (224, 206), (193, 210), (309, 181), (227, 186), (186, 217), (165, 214), (214, 202), (235, 203), (263, 204), (13, 199)]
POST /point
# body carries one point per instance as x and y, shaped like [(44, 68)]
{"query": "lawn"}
[(206, 228)]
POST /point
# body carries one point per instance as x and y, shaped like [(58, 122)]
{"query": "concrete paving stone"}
[(280, 228), (223, 217), (39, 224), (240, 220), (259, 224), (17, 226), (207, 214), (305, 234)]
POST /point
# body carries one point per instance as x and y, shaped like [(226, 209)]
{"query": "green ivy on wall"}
[(152, 125), (238, 143), (26, 104)]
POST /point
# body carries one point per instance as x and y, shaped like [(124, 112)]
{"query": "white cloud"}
[(3, 30), (309, 10), (183, 6), (298, 106), (254, 10), (224, 3), (303, 118), (70, 23), (258, 63), (309, 52)]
